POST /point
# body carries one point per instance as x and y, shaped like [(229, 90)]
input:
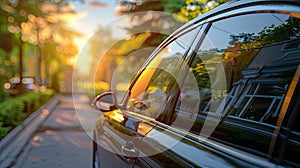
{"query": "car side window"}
[(148, 95), (244, 68)]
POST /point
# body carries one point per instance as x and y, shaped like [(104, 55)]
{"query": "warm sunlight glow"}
[(72, 61), (144, 129), (7, 86), (116, 115), (47, 8), (84, 65), (70, 17)]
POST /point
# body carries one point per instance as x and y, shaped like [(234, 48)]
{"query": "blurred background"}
[(53, 46)]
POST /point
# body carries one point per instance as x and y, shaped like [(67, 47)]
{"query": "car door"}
[(169, 143), (237, 116), (156, 87), (119, 131), (114, 137)]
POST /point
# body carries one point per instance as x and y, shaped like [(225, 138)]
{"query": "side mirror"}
[(105, 102)]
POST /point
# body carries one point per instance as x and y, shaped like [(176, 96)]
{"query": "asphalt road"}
[(64, 139)]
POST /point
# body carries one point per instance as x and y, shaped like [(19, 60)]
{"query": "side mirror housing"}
[(105, 102)]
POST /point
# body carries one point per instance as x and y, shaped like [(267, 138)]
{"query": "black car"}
[(221, 91)]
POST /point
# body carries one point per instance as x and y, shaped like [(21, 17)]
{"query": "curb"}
[(13, 143)]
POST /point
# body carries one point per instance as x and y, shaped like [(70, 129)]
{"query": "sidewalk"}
[(12, 144), (62, 139)]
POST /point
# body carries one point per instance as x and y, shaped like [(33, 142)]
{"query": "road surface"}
[(63, 140)]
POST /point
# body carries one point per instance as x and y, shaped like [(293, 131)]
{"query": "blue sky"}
[(92, 14)]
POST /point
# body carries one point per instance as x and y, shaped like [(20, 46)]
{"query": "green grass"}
[(13, 111)]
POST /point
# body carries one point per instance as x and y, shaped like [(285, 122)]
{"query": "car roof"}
[(235, 4)]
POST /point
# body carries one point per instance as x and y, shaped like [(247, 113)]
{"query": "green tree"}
[(194, 8), (155, 16), (151, 21), (6, 46), (40, 22)]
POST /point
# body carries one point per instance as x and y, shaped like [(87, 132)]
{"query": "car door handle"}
[(129, 150)]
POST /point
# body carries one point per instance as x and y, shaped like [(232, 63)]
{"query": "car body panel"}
[(250, 141), (113, 132)]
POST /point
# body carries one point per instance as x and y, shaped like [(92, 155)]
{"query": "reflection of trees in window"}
[(166, 70), (200, 72), (290, 29), (255, 97), (206, 68), (234, 60), (160, 79), (244, 46), (239, 52)]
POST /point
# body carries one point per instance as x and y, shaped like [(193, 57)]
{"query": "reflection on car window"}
[(243, 69), (148, 95)]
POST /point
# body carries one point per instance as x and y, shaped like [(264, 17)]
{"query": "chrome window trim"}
[(249, 121), (220, 147), (260, 8), (173, 37), (217, 146)]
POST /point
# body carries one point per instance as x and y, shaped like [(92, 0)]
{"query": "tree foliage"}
[(194, 8), (290, 29), (39, 24), (151, 21)]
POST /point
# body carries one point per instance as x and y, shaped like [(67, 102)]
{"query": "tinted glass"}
[(158, 80), (243, 69), (290, 147)]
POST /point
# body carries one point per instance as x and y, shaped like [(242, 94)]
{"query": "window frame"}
[(197, 27), (253, 9)]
